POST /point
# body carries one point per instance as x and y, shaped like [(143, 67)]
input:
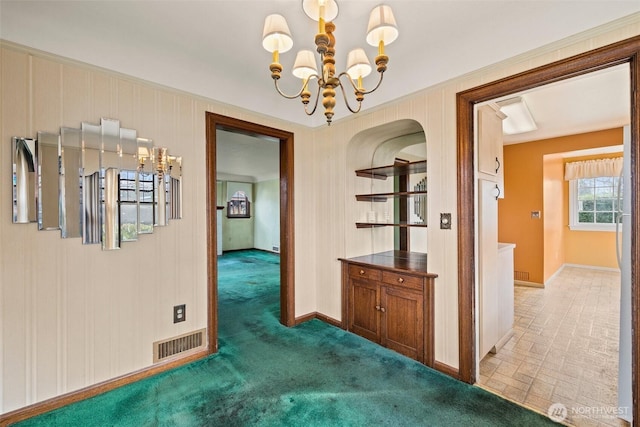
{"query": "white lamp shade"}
[(358, 64), (382, 26), (313, 9), (305, 65), (276, 35)]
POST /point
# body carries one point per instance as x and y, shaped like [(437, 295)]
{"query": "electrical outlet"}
[(445, 221), (179, 313)]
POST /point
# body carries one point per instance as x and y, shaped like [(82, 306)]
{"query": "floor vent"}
[(521, 275), (189, 342)]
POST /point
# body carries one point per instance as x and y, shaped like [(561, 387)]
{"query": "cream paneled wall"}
[(435, 109), (72, 315)]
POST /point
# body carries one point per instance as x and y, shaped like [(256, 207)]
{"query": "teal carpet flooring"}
[(268, 375)]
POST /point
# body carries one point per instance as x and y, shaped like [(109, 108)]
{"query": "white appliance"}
[(623, 247)]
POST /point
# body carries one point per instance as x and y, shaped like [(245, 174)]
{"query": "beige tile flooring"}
[(564, 348)]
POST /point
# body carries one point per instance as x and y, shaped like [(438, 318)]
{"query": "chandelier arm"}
[(297, 95), (315, 105), (344, 94), (377, 86)]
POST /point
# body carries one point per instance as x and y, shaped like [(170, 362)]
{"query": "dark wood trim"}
[(446, 369), (287, 260), (322, 317), (96, 389), (212, 236), (626, 51)]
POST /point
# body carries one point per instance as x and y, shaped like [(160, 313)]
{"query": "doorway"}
[(626, 51), (215, 122), (564, 342)]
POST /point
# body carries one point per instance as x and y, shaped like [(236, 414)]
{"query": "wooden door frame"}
[(287, 272), (623, 52)]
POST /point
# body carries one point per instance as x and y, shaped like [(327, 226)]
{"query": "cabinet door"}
[(490, 145), (364, 318), (402, 317)]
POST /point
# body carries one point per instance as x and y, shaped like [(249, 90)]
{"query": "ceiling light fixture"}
[(519, 118), (382, 30)]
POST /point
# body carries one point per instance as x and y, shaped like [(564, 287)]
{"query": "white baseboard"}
[(528, 284), (591, 267)]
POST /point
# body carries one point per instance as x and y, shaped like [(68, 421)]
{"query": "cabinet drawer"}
[(364, 272), (403, 280)]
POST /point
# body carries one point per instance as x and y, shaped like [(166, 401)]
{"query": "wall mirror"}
[(101, 183), (24, 179), (47, 154), (70, 161)]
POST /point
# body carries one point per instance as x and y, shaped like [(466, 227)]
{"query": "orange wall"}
[(524, 189), (554, 214)]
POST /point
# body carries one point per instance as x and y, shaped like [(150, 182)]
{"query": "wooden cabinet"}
[(490, 146), (388, 299)]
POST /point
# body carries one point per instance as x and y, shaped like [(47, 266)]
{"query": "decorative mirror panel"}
[(24, 179), (101, 183)]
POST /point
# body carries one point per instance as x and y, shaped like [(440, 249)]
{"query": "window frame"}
[(574, 225)]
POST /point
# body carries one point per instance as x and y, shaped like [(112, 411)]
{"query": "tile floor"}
[(564, 348)]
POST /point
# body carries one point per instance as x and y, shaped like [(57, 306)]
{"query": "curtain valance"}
[(593, 168)]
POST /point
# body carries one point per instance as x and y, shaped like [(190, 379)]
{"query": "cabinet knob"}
[(378, 307), (361, 272), (382, 309), (400, 280)]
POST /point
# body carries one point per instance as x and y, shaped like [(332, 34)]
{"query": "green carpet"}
[(268, 375)]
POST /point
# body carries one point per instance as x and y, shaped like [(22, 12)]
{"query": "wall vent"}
[(189, 342), (521, 275), (276, 248)]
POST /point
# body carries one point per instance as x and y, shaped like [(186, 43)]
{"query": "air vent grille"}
[(521, 275), (178, 345)]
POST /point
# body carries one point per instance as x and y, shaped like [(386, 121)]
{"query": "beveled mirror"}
[(24, 179), (48, 156), (101, 183)]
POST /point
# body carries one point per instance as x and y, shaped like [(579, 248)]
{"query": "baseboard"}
[(446, 369), (321, 317), (592, 267), (528, 284), (501, 342), (39, 408)]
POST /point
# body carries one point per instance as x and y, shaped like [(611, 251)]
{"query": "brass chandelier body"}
[(382, 30)]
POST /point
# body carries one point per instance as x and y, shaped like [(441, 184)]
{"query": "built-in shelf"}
[(386, 224), (384, 172), (382, 197)]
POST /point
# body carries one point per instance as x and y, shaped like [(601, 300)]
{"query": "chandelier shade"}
[(358, 64), (276, 36), (316, 9), (305, 65), (382, 26)]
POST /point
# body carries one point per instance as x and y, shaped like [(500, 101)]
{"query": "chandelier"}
[(381, 31)]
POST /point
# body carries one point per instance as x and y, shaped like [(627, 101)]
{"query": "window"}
[(593, 203), (239, 206)]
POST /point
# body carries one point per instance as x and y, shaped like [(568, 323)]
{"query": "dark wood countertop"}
[(402, 261)]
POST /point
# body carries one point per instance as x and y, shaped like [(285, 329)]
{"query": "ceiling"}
[(213, 48)]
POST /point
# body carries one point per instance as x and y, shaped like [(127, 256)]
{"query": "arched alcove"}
[(376, 147)]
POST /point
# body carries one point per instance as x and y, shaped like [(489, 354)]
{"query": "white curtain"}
[(593, 168)]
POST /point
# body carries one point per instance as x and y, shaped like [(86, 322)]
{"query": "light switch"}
[(445, 221)]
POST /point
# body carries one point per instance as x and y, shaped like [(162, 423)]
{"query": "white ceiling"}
[(213, 48)]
